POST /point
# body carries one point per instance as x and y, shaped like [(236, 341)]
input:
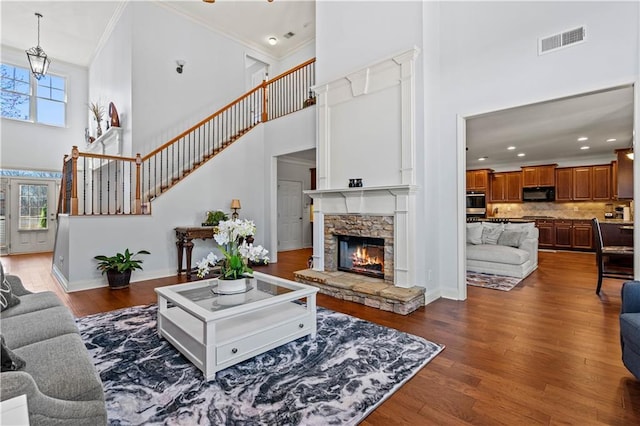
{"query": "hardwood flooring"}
[(547, 352)]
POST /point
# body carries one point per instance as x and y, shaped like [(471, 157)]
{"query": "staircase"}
[(96, 185)]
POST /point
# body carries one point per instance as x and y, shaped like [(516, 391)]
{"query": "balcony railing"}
[(95, 184)]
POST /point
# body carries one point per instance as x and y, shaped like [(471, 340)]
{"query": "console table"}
[(184, 237)]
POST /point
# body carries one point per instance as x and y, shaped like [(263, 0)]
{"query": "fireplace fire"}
[(361, 255)]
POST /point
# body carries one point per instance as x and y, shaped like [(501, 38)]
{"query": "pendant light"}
[(38, 60)]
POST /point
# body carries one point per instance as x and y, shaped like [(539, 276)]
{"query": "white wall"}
[(111, 80), (489, 61), (33, 146), (302, 54)]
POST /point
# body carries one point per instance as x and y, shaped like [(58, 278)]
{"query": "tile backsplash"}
[(576, 210)]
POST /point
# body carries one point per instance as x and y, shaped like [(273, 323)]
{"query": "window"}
[(25, 98), (33, 207)]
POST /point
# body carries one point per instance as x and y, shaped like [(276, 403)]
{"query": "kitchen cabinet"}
[(582, 180), (546, 230), (614, 180), (582, 235), (506, 187), (478, 180), (563, 233), (535, 176), (601, 187), (624, 175), (564, 184)]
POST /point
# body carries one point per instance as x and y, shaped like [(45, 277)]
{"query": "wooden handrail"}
[(106, 157), (201, 123)]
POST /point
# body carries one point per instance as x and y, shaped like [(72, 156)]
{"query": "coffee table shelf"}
[(217, 331)]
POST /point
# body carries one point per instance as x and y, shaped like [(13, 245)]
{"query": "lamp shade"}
[(235, 204)]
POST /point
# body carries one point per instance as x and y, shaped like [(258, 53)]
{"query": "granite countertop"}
[(533, 219)]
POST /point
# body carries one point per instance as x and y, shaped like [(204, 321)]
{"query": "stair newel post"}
[(138, 205), (74, 180), (265, 92)]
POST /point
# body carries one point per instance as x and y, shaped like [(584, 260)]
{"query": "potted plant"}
[(232, 236), (119, 266), (214, 218)]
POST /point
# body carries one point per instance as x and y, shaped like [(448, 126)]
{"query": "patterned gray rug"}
[(342, 375), (495, 282)]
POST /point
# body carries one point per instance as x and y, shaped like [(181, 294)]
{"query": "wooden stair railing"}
[(95, 184)]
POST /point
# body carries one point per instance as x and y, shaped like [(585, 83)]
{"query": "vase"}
[(232, 286), (99, 130)]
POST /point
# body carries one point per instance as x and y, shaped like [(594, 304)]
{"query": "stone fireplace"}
[(364, 240)]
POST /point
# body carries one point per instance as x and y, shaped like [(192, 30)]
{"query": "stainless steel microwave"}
[(547, 193)]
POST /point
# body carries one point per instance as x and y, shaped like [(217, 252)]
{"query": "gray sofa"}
[(58, 378), (509, 249), (630, 326)]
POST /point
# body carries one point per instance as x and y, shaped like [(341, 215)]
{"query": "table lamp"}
[(235, 206)]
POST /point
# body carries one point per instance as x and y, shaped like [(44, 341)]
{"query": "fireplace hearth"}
[(361, 255)]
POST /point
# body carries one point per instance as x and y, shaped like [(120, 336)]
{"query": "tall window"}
[(25, 98), (33, 207)]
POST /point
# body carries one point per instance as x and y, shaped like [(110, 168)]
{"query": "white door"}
[(32, 215), (289, 215)]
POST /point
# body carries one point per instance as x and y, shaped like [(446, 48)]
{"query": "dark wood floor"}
[(547, 352)]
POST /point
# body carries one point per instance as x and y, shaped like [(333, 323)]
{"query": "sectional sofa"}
[(44, 358), (509, 249)]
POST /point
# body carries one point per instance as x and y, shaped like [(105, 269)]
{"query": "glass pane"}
[(33, 207), (44, 91), (21, 74), (45, 81), (57, 95), (21, 87), (7, 83), (57, 82), (14, 105), (51, 112)]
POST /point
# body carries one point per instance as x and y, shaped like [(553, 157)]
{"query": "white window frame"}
[(33, 98)]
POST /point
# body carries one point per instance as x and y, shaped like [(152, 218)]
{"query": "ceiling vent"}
[(561, 40), (288, 35)]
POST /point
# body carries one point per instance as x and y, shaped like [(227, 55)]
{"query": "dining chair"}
[(613, 261)]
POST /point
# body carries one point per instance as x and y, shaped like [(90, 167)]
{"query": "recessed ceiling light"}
[(511, 148), (612, 140), (522, 154), (583, 138), (584, 147), (482, 158), (273, 41)]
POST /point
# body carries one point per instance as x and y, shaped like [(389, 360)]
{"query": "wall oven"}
[(476, 204)]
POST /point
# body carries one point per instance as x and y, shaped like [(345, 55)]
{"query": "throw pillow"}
[(474, 233), (9, 360), (512, 238), (491, 235), (7, 298), (527, 227)]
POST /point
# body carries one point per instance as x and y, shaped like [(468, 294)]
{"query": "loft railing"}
[(95, 184)]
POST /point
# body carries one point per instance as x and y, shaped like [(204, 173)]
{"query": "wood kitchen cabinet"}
[(601, 187), (563, 233), (564, 184), (614, 180), (506, 187), (582, 235), (478, 180), (535, 176), (582, 181), (624, 175), (546, 229)]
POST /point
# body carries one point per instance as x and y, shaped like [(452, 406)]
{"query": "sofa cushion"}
[(33, 302), (474, 233), (496, 253), (512, 238), (630, 331), (490, 235), (9, 360), (25, 329), (62, 368), (528, 227)]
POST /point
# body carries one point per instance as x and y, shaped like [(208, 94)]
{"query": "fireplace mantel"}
[(362, 200)]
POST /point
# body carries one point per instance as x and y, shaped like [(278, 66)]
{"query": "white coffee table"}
[(217, 331)]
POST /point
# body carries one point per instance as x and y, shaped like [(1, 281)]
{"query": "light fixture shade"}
[(235, 204), (38, 61)]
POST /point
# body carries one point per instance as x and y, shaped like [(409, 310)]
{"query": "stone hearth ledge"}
[(373, 292)]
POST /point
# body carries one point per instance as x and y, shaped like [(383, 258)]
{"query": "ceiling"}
[(85, 24), (548, 132)]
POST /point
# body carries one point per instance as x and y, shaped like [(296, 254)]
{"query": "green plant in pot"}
[(214, 218), (119, 267)]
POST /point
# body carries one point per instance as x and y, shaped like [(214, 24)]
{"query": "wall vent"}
[(288, 35), (561, 40)]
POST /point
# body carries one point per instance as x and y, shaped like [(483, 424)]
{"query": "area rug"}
[(495, 282), (337, 378)]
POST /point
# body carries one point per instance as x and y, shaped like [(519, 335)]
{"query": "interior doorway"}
[(289, 215)]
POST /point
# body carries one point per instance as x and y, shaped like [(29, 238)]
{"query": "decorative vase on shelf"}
[(99, 130)]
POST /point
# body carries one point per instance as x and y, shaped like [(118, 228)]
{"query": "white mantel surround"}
[(366, 130), (395, 200)]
